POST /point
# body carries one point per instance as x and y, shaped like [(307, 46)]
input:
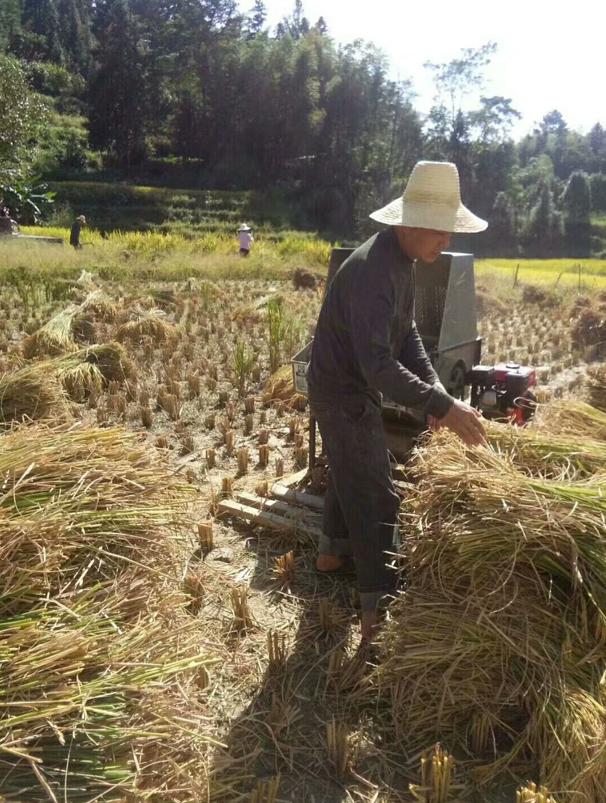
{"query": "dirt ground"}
[(296, 712)]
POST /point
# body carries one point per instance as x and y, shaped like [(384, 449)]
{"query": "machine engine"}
[(503, 391)]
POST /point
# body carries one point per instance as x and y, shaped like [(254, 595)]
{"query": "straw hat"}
[(431, 200), (81, 218), (244, 227)]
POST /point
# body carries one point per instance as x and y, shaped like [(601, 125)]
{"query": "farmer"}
[(6, 224), (245, 239), (367, 345), (74, 235)]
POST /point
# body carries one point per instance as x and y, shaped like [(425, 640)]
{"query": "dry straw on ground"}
[(437, 777), (30, 394), (572, 418), (99, 307), (531, 793), (150, 326), (102, 490), (102, 667), (39, 390), (279, 388), (54, 338), (588, 329), (552, 453), (596, 383), (498, 647)]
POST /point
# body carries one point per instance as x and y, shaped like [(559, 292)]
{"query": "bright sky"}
[(550, 55)]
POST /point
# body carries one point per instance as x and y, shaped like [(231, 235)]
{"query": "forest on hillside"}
[(196, 93)]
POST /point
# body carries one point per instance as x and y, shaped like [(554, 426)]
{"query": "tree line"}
[(200, 87)]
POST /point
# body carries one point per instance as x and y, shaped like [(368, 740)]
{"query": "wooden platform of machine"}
[(290, 505)]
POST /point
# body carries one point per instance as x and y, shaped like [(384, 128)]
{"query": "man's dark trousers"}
[(361, 504)]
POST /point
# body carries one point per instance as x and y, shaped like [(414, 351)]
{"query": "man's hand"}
[(434, 423), (465, 422)]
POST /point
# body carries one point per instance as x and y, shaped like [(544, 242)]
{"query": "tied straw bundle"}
[(59, 335), (28, 394), (39, 390), (151, 327), (498, 647), (54, 338), (91, 369)]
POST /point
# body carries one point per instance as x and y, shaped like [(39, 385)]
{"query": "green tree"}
[(457, 134), (295, 26), (202, 45), (118, 91), (10, 22), (457, 78), (543, 232), (597, 144), (552, 123), (21, 112), (41, 18), (369, 138), (321, 27), (75, 34), (494, 119), (598, 191), (567, 149), (576, 208), (255, 21), (494, 165), (502, 231)]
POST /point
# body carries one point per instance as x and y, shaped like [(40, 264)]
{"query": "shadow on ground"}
[(304, 736)]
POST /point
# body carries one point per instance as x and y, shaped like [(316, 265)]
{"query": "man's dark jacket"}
[(74, 235), (366, 340)]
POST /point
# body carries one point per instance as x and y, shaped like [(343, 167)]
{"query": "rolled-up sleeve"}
[(372, 315)]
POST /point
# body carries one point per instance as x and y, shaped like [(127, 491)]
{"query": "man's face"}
[(424, 244)]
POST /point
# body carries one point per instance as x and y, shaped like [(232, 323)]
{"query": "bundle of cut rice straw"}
[(54, 338), (101, 667), (573, 418), (152, 327), (40, 389), (596, 382), (498, 647)]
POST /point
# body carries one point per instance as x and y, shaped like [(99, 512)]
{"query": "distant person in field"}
[(367, 346), (6, 224), (74, 235), (245, 239)]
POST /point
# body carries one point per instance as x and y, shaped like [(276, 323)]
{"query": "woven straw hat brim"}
[(430, 215)]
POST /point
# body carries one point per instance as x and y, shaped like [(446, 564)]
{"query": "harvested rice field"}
[(163, 633)]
